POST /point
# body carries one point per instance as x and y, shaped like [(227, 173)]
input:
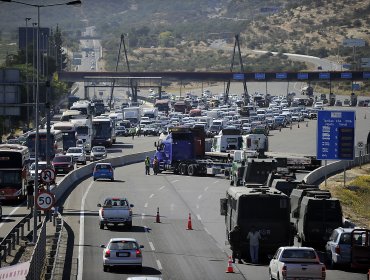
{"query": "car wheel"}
[(112, 179), (105, 268), (94, 179), (101, 225), (129, 224), (84, 163), (140, 267)]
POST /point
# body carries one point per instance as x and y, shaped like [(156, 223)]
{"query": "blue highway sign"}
[(335, 135)]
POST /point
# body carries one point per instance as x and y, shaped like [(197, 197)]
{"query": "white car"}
[(78, 154), (122, 252), (41, 165), (296, 263)]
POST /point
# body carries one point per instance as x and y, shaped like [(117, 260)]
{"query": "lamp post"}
[(34, 24), (78, 2), (27, 89)]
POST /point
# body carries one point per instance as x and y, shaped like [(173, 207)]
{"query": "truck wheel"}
[(101, 224), (191, 170), (183, 169)]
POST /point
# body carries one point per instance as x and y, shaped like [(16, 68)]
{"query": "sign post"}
[(335, 135)]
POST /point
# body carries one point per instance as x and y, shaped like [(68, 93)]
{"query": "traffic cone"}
[(157, 219), (230, 268), (189, 223)]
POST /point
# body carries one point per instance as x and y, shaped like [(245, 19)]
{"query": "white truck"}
[(151, 113), (133, 114), (296, 263), (84, 131), (115, 211)]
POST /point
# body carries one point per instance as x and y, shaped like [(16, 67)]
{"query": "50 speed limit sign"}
[(45, 201)]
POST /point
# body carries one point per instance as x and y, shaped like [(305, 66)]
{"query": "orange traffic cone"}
[(230, 268), (157, 219), (189, 223)]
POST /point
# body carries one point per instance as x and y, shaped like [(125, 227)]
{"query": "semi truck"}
[(183, 152), (133, 114)]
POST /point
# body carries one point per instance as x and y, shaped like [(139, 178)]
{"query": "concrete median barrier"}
[(74, 177)]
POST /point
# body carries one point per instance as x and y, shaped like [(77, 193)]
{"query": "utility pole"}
[(246, 95)]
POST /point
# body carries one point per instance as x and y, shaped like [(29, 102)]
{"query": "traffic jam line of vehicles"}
[(263, 193)]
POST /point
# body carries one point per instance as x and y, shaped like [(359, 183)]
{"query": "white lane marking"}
[(151, 195), (82, 235), (199, 218), (159, 265), (174, 181), (207, 231), (151, 246), (146, 205), (11, 213), (142, 216), (206, 189), (161, 188), (215, 182), (200, 196), (197, 206)]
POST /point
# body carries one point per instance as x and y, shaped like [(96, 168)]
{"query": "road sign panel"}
[(259, 76), (238, 76), (346, 75), (281, 75), (365, 59), (366, 75), (324, 76), (302, 76), (45, 200), (353, 42), (47, 175), (335, 135)]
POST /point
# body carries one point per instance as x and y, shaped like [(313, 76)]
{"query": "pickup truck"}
[(115, 211), (296, 263)]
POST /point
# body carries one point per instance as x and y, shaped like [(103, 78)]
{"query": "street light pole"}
[(27, 86), (78, 2)]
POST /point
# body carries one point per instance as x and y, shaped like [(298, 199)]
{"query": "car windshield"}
[(40, 166), (123, 245), (103, 166), (299, 254), (99, 150), (74, 150), (62, 159)]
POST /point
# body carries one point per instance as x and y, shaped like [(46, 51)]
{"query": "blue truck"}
[(183, 152)]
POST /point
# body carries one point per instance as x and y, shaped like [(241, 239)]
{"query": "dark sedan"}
[(63, 164)]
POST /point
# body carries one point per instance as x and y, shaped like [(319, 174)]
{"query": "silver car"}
[(122, 252), (98, 152)]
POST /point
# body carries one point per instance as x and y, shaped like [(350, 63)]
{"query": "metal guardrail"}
[(38, 260), (13, 237), (54, 252)]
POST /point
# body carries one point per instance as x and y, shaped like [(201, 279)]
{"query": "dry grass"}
[(355, 197)]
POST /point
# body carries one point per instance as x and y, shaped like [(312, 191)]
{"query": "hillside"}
[(176, 34)]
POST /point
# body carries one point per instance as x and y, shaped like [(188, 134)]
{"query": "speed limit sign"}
[(45, 201)]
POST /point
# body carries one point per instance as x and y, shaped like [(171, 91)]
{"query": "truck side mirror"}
[(223, 206), (99, 205)]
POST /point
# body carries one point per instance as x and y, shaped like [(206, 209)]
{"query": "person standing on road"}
[(235, 239), (30, 196), (147, 166), (155, 165), (254, 241)]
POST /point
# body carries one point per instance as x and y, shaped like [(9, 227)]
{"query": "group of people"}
[(155, 165), (236, 240)]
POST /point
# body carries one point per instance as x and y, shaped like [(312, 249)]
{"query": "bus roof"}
[(43, 132), (13, 147), (64, 126), (71, 113)]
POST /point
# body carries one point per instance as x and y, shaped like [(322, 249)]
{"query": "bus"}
[(55, 145), (68, 130), (72, 99), (263, 208), (103, 132), (84, 106), (14, 171)]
